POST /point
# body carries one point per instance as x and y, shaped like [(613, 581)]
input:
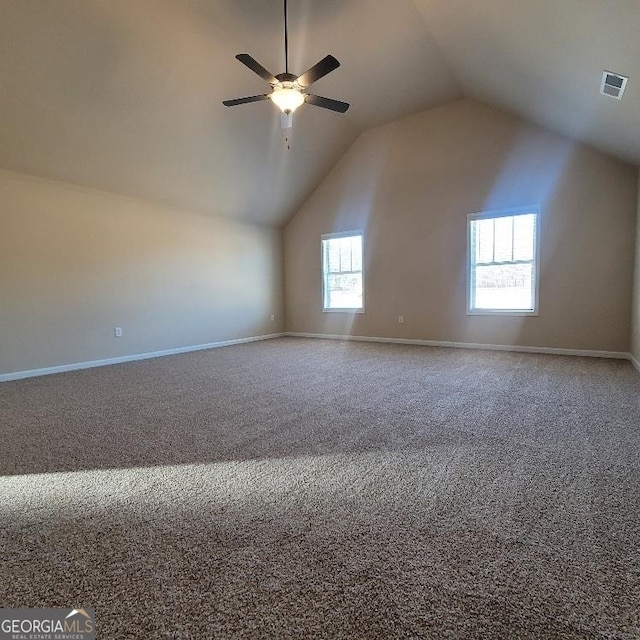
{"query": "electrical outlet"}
[(273, 317), (117, 332), (400, 319)]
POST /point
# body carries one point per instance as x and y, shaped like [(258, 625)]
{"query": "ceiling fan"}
[(289, 91)]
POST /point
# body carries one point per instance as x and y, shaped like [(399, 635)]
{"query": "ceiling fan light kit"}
[(288, 92), (287, 96)]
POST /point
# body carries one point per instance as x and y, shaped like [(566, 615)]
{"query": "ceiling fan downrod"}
[(286, 39)]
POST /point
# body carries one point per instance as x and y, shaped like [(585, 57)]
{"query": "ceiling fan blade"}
[(233, 103), (256, 67), (327, 103), (319, 70)]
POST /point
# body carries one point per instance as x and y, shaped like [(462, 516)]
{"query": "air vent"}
[(613, 85)]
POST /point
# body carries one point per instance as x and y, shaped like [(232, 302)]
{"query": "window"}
[(342, 275), (503, 262)]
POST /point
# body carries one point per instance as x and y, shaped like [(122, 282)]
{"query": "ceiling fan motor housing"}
[(286, 77)]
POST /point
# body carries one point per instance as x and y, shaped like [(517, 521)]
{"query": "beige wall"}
[(410, 184), (74, 263), (635, 328)]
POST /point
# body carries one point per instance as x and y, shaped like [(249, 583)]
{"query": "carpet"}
[(299, 488)]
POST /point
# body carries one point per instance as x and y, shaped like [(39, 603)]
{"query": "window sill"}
[(343, 311)]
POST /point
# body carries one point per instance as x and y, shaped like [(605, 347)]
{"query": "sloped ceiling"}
[(125, 96), (543, 59)]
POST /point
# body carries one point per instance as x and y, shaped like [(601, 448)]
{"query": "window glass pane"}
[(356, 253), (482, 237), (523, 236), (508, 286), (333, 256), (345, 253), (503, 239), (344, 291)]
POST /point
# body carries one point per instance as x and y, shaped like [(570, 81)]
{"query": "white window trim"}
[(503, 213), (332, 236)]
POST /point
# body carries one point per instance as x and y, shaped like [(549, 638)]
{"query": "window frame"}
[(323, 274), (506, 213)]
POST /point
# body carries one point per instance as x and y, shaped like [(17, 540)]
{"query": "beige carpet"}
[(317, 489)]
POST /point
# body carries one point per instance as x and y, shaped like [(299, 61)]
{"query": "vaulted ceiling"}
[(126, 96)]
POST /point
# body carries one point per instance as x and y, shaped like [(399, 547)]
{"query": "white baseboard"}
[(621, 355), (19, 375)]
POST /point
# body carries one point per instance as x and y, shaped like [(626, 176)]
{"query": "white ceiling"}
[(125, 95)]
